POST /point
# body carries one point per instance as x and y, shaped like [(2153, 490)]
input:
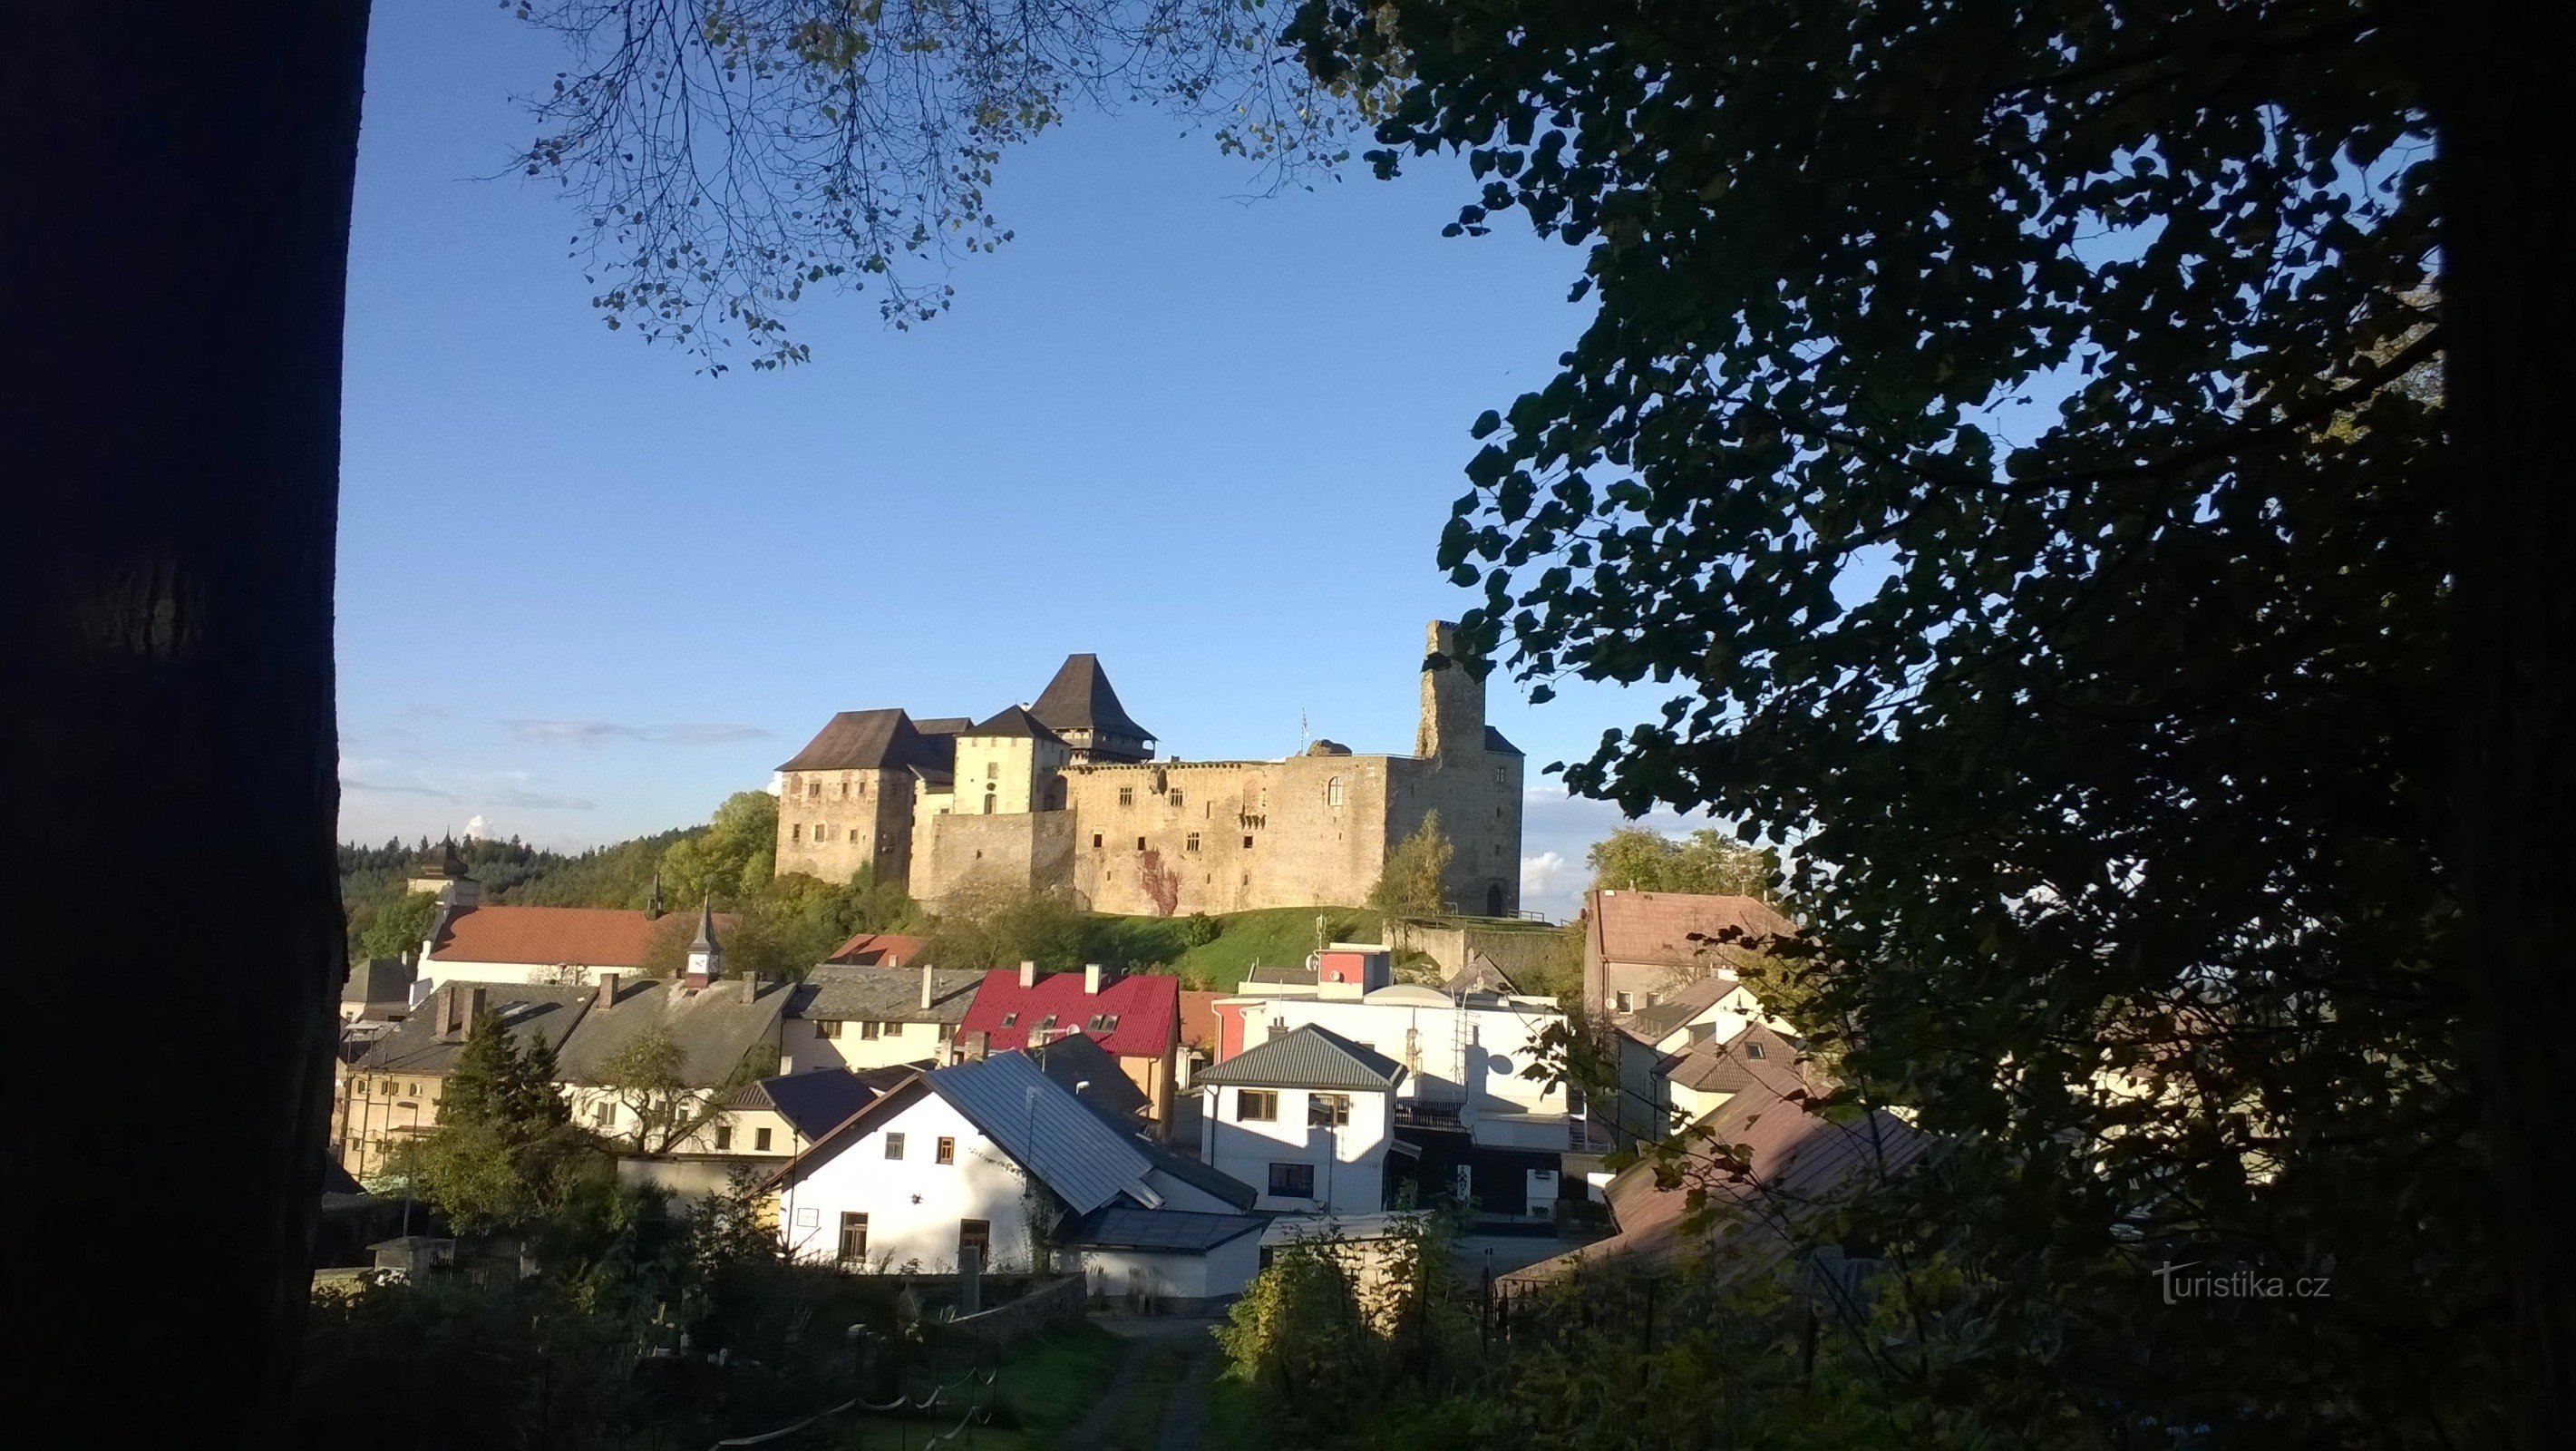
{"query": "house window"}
[(1292, 1181), (1010, 1020), (1126, 795), (760, 1141), (869, 1032), (1652, 998), (1176, 798), (854, 1238), (1192, 843), (1627, 1003), (829, 1027), (1328, 1110), (724, 1138), (1333, 792), (977, 1235), (1255, 1106), (603, 1115), (1047, 1023), (894, 1146), (1752, 1050), (947, 1153)]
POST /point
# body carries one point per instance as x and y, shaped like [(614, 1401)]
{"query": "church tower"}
[(1453, 701), (706, 959)]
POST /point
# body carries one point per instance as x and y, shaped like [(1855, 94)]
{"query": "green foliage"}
[(1633, 859), (396, 929), (1414, 883), (644, 1076), (1199, 929), (731, 860), (1330, 1327), (988, 924), (2115, 756), (505, 1154)]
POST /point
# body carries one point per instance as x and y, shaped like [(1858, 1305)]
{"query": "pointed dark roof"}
[(1012, 721), (445, 862), (1079, 699), (860, 740), (705, 941)]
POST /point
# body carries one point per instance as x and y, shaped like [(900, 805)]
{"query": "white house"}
[(1307, 1118), (1463, 1055), (996, 1155), (1712, 1009)]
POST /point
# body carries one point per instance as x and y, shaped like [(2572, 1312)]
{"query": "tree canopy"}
[(1991, 436), (1633, 858), (505, 1154), (1414, 882)]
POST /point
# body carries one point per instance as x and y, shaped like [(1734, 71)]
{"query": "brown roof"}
[(1079, 699), (866, 740), (1649, 1025), (1658, 927), (1796, 1160), (876, 949), (578, 936), (1198, 1019), (1754, 1058)]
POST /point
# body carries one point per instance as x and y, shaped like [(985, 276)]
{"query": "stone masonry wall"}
[(1244, 834), (864, 817), (1022, 850)]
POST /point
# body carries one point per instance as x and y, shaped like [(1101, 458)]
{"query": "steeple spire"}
[(706, 958)]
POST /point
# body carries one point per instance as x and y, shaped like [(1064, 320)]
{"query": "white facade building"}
[(1463, 1054), (1306, 1119)]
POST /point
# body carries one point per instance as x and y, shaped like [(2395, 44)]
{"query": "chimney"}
[(474, 999), (607, 997), (442, 1007), (1091, 979), (751, 987), (1028, 974), (925, 987)]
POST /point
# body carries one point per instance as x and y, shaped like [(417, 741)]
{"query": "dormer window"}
[(1103, 1023), (1010, 1020), (1752, 1050), (1047, 1023)]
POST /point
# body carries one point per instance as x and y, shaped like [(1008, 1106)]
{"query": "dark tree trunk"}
[(2510, 314), (177, 237)]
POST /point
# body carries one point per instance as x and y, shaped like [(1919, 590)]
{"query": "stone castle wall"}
[(1309, 831), (831, 823), (1023, 850)]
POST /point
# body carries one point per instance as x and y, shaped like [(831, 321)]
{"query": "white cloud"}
[(1546, 884), (478, 826), (594, 733)]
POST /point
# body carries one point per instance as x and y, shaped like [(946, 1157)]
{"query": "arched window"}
[(988, 803), (1494, 900), (1333, 792)]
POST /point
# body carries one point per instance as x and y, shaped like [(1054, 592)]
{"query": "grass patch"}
[(1236, 1418), (1047, 1382), (1279, 936)]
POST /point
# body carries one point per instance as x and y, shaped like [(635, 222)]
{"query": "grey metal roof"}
[(832, 992), (1076, 1058), (1308, 1057), (1178, 1231), (713, 1027), (1166, 1160), (528, 1014), (1043, 1128)]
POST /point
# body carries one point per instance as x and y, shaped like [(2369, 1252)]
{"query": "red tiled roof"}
[(1656, 927), (1147, 1006), (876, 949), (1198, 1019), (578, 936)]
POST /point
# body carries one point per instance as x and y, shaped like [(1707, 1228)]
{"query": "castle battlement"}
[(1064, 795)]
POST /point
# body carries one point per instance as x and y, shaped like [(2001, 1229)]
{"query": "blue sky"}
[(586, 592)]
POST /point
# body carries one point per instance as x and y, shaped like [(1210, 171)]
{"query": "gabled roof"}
[(1044, 1129), (1480, 975), (1648, 1025), (713, 1027), (1080, 699), (581, 936), (1078, 1059), (1176, 1231), (943, 725), (1754, 1058), (1658, 928), (1139, 1012), (378, 980), (443, 861), (528, 1014), (859, 740), (813, 1104), (875, 949), (1498, 744), (1797, 1159), (1123, 1121), (1014, 722), (836, 993), (1307, 1057)]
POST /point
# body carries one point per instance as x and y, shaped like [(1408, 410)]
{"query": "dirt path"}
[(1092, 1433), (1186, 1412)]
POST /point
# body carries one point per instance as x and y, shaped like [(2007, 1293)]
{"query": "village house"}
[(1135, 1017), (702, 1031), (876, 1017), (996, 1157), (875, 949), (1641, 947), (571, 946), (389, 1095), (1307, 1118)]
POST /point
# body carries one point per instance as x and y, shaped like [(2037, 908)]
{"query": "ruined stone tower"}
[(1453, 701)]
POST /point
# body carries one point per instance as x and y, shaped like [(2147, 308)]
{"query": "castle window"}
[(988, 803), (1126, 795), (796, 832), (813, 790), (1247, 841), (1176, 799), (1193, 842), (992, 770), (1095, 840), (1333, 792), (1140, 843)]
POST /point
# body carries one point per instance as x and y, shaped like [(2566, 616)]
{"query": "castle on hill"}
[(1065, 794)]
